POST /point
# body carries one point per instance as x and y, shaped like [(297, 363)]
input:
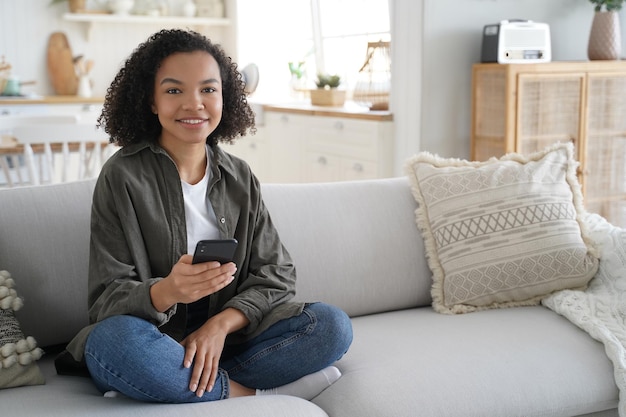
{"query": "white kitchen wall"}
[(435, 43), (26, 24), (451, 41)]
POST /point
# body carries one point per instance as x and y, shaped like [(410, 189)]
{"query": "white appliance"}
[(516, 41)]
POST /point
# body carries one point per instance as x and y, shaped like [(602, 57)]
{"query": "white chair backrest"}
[(10, 161), (58, 135), (11, 121)]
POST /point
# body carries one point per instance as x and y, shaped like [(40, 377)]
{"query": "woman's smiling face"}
[(188, 97)]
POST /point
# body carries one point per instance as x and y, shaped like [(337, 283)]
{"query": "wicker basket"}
[(374, 80)]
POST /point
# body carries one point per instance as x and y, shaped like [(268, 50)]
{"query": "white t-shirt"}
[(199, 215)]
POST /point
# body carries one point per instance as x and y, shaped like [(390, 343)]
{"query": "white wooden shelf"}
[(113, 18), (91, 18)]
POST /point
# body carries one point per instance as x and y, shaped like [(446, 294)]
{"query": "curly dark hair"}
[(127, 116)]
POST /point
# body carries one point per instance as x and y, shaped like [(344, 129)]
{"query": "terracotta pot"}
[(605, 42)]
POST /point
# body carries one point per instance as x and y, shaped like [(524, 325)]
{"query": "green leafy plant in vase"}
[(298, 75), (607, 5), (327, 92)]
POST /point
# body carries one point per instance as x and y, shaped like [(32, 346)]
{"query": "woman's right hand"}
[(189, 282)]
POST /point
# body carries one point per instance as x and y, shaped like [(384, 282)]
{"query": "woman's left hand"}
[(203, 348)]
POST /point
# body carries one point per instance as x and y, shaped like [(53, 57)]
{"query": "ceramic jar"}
[(605, 41), (121, 7), (189, 8)]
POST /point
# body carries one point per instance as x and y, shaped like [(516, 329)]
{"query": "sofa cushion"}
[(504, 232), (72, 396), (18, 354), (525, 361)]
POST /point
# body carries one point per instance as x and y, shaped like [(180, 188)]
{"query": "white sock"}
[(307, 387)]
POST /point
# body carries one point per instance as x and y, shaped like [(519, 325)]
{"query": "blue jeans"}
[(130, 355)]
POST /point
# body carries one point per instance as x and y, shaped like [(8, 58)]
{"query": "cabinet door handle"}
[(357, 167), (338, 125), (322, 160), (284, 118)]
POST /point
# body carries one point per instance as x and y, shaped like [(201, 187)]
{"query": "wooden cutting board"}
[(61, 65)]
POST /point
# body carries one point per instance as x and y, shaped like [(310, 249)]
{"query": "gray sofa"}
[(356, 246)]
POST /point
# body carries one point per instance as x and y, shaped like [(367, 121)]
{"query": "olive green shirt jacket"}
[(138, 233)]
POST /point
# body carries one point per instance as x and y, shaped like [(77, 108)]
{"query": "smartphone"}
[(221, 250)]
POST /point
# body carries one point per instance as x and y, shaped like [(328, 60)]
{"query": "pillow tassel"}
[(8, 362)]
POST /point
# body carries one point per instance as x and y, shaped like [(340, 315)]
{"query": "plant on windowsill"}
[(327, 92), (605, 41)]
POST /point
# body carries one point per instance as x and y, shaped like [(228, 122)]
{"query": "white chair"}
[(11, 153), (42, 139)]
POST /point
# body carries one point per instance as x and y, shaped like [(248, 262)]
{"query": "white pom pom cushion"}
[(18, 354), (501, 233)]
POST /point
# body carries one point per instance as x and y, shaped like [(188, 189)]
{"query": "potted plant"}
[(605, 41), (608, 5), (327, 92), (298, 76), (75, 6)]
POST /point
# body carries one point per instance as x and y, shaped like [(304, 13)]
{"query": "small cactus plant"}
[(327, 81)]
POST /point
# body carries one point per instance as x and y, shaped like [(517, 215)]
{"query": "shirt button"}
[(222, 220)]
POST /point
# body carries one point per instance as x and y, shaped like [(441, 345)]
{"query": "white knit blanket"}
[(601, 309)]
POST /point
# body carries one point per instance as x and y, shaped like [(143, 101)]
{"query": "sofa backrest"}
[(355, 245), (44, 244)]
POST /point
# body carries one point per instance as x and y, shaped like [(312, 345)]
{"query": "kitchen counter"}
[(87, 109), (27, 100), (349, 110)]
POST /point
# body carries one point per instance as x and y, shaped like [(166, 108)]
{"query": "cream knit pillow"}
[(501, 233), (18, 354)]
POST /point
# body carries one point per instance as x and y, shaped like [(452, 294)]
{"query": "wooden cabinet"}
[(344, 149), (287, 134), (302, 145), (254, 149), (316, 148), (526, 107)]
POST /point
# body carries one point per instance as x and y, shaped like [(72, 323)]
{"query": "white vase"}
[(605, 41), (189, 9), (84, 86), (121, 7)]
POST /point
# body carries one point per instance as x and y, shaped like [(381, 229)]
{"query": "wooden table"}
[(18, 149), (11, 150)]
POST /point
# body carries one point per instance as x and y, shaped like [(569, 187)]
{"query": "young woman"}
[(164, 329)]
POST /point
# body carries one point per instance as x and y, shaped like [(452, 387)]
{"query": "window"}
[(324, 35)]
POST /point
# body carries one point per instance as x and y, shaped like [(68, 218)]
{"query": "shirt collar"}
[(225, 163), (219, 160)]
